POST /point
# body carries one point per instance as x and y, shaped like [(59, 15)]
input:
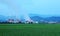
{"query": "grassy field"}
[(29, 29)]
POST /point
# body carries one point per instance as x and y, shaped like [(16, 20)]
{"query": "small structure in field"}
[(29, 21), (10, 20), (13, 21), (17, 21)]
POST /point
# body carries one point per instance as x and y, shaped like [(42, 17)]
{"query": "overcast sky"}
[(24, 7)]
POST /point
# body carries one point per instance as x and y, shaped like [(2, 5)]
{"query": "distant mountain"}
[(53, 18), (44, 16), (36, 17), (3, 18)]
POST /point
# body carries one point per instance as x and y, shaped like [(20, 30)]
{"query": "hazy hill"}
[(39, 18)]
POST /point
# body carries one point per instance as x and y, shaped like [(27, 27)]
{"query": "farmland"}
[(29, 29)]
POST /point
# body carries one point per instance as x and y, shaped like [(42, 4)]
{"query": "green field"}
[(29, 29)]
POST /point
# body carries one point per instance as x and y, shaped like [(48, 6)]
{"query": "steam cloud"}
[(17, 7)]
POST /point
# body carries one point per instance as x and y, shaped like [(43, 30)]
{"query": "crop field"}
[(29, 29)]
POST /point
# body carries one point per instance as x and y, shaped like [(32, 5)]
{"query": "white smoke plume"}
[(18, 8)]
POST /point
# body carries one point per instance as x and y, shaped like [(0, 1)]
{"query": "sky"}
[(25, 7)]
